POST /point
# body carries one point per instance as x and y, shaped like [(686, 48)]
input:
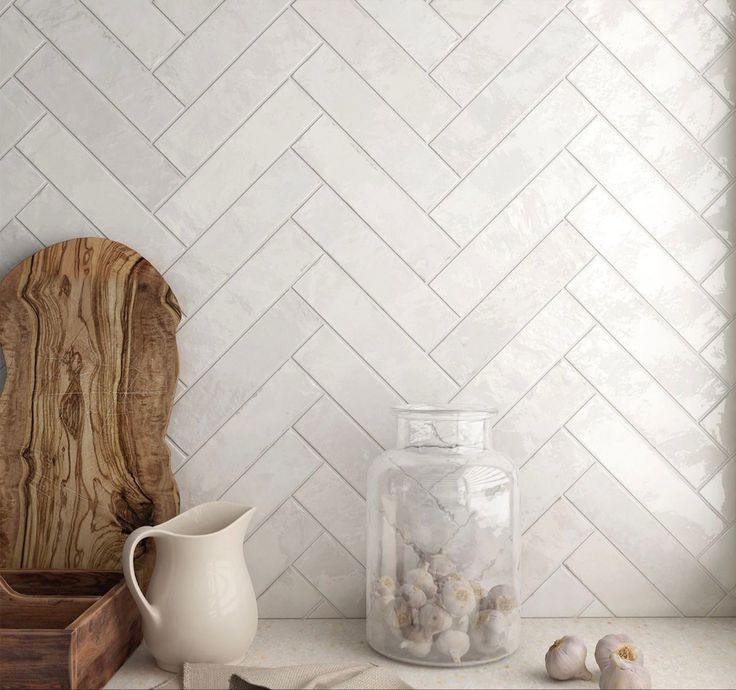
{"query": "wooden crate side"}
[(76, 583), (106, 635), (35, 659)]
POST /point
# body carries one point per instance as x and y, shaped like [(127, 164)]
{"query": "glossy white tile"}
[(517, 88), (688, 26), (645, 474), (649, 269), (521, 295), (543, 410), (140, 26), (19, 39), (100, 56), (379, 271), (615, 581), (236, 376), (721, 214), (254, 427), (96, 123), (275, 476), (513, 233), (400, 81), (356, 178), (240, 231), (416, 26), (17, 244), (290, 596), (480, 56), (561, 595), (648, 126), (722, 74), (225, 105), (632, 390), (395, 146), (281, 539), (19, 181), (548, 542), (336, 574), (51, 217), (720, 144), (718, 353), (513, 164), (243, 299), (204, 55), (372, 334), (96, 193), (644, 541), (18, 113), (352, 384), (719, 558), (719, 422), (720, 491), (530, 354), (553, 469), (655, 62), (653, 203), (336, 506), (207, 194), (647, 336)]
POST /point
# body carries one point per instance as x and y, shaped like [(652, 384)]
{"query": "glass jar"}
[(443, 542)]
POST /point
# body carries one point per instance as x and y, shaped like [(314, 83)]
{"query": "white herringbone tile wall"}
[(525, 203)]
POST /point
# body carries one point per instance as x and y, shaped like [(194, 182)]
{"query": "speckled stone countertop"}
[(679, 653)]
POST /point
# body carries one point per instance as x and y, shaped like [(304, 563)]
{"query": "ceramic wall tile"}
[(87, 114), (254, 76), (113, 69), (360, 203), (238, 163), (477, 59), (18, 113), (140, 26), (616, 582), (400, 81), (51, 217)]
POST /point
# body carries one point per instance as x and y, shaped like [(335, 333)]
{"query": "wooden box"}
[(64, 628)]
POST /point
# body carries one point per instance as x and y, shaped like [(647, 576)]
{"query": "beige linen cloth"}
[(309, 677)]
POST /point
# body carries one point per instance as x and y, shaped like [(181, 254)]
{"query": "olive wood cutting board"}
[(87, 328)]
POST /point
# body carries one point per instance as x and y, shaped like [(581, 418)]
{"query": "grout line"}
[(222, 423), (626, 491)]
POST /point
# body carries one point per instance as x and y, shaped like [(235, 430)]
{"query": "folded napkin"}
[(308, 677)]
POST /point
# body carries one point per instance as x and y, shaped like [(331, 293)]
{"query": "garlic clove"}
[(565, 659), (458, 597), (434, 619), (501, 598), (420, 577), (617, 645), (453, 643), (384, 586), (622, 674), (417, 644), (441, 566), (413, 595), (489, 633)]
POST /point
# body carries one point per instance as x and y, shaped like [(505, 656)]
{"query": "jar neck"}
[(422, 431)]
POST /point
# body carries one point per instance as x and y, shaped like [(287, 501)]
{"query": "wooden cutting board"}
[(87, 327)]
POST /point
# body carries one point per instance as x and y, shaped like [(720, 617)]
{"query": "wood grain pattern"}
[(87, 327)]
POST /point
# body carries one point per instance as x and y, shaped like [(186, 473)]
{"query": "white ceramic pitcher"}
[(201, 606)]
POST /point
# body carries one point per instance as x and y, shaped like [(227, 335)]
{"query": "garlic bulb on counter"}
[(621, 674), (565, 659), (617, 645)]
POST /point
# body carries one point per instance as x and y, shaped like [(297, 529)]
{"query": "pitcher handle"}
[(131, 542)]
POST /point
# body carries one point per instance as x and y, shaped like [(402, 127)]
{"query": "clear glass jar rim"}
[(426, 411)]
